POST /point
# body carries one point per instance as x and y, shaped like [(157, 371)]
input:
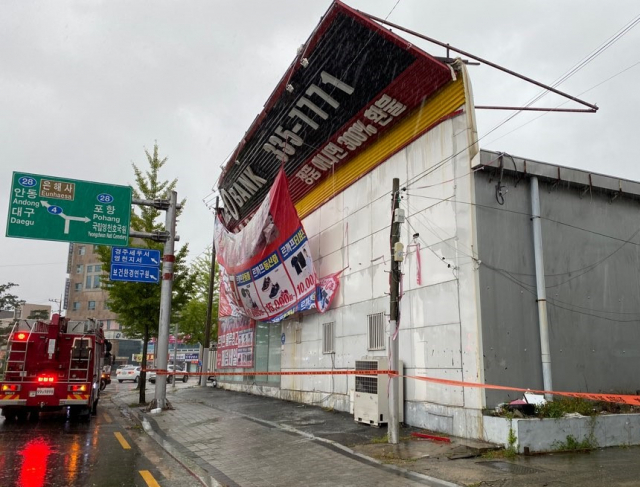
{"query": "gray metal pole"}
[(394, 389), (175, 356), (543, 323), (207, 330), (168, 260)]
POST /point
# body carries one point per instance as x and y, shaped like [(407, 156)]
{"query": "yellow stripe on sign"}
[(446, 101), (122, 441), (148, 478)]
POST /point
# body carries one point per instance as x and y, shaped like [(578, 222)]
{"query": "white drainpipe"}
[(543, 322)]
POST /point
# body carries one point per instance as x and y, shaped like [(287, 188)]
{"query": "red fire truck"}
[(51, 366)]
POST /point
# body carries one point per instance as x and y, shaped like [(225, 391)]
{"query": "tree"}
[(39, 314), (193, 317), (8, 302), (138, 304)]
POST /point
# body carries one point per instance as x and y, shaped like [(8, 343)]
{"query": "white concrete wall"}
[(439, 329)]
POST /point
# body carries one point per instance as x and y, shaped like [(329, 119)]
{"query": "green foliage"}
[(380, 439), (138, 304), (511, 450), (8, 301), (38, 314), (561, 406), (571, 443), (194, 314)]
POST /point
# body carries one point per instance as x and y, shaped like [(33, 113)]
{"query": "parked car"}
[(128, 372), (180, 375)]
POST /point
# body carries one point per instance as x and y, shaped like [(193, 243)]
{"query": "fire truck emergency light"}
[(46, 378), (10, 387), (21, 336), (80, 388)]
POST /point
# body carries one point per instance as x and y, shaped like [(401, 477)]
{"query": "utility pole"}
[(396, 257), (207, 331), (59, 303), (168, 260)]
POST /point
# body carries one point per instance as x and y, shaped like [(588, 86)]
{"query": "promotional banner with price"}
[(270, 273)]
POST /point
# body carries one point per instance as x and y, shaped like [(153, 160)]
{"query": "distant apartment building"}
[(84, 298)]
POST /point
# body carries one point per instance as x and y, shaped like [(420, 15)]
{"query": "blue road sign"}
[(133, 273), (135, 257)]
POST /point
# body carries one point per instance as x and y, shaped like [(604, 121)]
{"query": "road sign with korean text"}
[(68, 210), (134, 256), (132, 273), (135, 265)]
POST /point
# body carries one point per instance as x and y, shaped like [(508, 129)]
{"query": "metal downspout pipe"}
[(543, 322)]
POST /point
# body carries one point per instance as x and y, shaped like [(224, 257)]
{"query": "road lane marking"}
[(122, 441), (148, 478), (107, 418)]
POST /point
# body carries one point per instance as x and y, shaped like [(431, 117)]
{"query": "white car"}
[(129, 372), (184, 377)]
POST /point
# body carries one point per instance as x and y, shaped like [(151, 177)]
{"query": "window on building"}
[(92, 305), (78, 286), (81, 250), (376, 331), (76, 306), (106, 306), (93, 277), (328, 330), (79, 269)]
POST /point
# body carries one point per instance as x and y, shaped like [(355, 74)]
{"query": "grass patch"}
[(566, 405), (572, 444), (380, 439)]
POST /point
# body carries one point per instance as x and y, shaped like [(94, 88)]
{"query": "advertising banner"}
[(352, 81), (269, 270), (235, 342)]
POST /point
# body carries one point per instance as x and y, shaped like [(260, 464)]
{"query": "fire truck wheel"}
[(9, 414), (22, 415), (94, 409)]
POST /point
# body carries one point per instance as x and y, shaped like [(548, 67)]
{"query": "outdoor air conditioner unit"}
[(371, 398)]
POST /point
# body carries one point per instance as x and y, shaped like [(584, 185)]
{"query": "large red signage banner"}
[(352, 81), (235, 342), (268, 269)]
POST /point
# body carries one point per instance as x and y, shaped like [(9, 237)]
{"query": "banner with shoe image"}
[(269, 270)]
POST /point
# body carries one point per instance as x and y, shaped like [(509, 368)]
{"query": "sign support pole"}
[(394, 389), (207, 331), (168, 260)]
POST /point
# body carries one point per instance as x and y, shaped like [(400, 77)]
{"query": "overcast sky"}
[(86, 86)]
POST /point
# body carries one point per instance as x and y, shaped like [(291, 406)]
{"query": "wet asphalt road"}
[(54, 451)]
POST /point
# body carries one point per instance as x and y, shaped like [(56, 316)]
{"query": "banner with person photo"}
[(269, 270)]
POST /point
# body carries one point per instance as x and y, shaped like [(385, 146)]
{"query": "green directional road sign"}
[(68, 210)]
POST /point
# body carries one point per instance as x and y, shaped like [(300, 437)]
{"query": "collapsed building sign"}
[(351, 82), (269, 272)]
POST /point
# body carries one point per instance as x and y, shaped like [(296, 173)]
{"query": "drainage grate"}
[(509, 467)]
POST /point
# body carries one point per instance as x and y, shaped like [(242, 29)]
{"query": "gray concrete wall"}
[(592, 279)]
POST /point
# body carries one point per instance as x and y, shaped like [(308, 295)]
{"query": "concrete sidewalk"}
[(236, 439)]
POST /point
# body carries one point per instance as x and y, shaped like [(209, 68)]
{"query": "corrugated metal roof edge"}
[(555, 172)]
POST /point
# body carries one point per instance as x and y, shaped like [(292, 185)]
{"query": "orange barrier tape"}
[(616, 398)]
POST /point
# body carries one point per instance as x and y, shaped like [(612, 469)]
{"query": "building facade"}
[(470, 299), (85, 298)]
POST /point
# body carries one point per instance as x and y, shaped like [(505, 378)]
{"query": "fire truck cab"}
[(51, 366)]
